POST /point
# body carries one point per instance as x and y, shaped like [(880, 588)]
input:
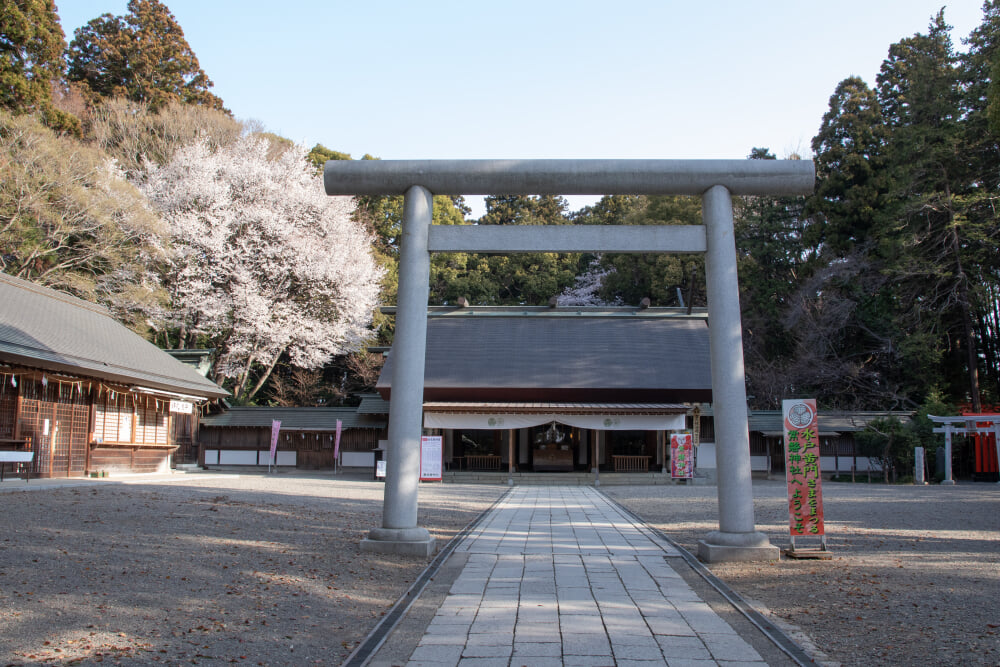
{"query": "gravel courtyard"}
[(266, 570), (915, 577), (255, 569)]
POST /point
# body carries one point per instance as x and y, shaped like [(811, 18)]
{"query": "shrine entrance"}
[(715, 181), (984, 430)]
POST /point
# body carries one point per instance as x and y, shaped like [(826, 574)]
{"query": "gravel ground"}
[(266, 570), (915, 577), (254, 569)]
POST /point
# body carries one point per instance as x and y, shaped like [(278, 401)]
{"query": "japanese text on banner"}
[(802, 467), (681, 455)]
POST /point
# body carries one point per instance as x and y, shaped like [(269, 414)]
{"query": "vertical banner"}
[(336, 444), (275, 429), (431, 461), (805, 494), (681, 455)]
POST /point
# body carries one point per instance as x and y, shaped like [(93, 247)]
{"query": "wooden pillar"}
[(510, 457), (91, 427), (135, 420), (52, 433), (18, 403)]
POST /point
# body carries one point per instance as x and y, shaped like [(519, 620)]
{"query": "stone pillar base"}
[(719, 547), (404, 541)]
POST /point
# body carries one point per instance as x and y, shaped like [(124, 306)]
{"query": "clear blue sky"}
[(540, 79)]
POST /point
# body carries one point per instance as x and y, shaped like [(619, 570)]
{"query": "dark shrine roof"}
[(564, 355), (292, 419), (51, 331)]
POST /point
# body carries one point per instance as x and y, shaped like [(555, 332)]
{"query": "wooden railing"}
[(631, 463), (482, 462)]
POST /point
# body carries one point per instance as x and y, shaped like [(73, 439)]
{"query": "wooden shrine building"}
[(560, 389), (307, 437), (82, 392)]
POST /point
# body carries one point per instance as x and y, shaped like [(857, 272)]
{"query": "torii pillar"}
[(716, 181)]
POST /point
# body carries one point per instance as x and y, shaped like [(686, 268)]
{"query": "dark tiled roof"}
[(565, 359), (461, 407), (770, 421), (292, 419), (45, 329), (373, 404)]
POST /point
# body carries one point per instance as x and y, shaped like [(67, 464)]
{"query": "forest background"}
[(127, 182)]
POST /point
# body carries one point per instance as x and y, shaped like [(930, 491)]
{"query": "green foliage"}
[(69, 221), (516, 279), (31, 61), (320, 154), (659, 277), (890, 442), (772, 261), (142, 56), (851, 182)]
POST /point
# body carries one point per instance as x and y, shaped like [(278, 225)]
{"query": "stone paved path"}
[(559, 576)]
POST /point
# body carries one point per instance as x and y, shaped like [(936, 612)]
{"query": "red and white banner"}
[(802, 473), (682, 455)]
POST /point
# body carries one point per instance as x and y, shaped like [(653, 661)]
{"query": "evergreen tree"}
[(142, 56), (514, 279), (667, 279), (851, 184), (980, 72), (31, 60), (772, 261), (919, 92)]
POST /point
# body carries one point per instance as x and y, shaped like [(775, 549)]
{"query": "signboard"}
[(380, 469), (681, 455), (805, 494), (183, 407), (431, 458)]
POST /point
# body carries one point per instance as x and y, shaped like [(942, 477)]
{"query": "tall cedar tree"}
[(920, 95), (851, 185), (142, 56), (31, 60), (981, 129)]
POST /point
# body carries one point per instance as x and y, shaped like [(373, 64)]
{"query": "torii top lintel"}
[(569, 177)]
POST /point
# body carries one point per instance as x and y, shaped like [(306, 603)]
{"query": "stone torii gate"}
[(716, 181)]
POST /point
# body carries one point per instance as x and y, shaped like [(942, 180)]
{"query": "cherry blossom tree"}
[(587, 288), (265, 264)]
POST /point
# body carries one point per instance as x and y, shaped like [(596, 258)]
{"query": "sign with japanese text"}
[(431, 458), (183, 407), (802, 473), (682, 455)]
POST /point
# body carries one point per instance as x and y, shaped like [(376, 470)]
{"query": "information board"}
[(431, 458)]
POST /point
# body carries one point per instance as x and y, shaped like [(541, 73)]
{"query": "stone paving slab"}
[(560, 576)]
